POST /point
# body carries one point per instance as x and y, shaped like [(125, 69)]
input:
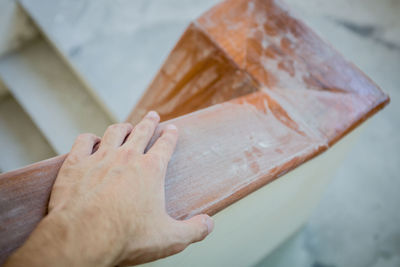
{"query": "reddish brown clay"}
[(269, 95)]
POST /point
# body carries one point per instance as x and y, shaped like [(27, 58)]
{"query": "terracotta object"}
[(290, 96)]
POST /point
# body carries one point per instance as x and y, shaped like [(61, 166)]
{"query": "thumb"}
[(196, 228)]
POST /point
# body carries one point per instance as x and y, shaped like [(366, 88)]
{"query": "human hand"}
[(108, 207)]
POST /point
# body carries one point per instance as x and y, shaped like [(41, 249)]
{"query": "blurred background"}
[(68, 67)]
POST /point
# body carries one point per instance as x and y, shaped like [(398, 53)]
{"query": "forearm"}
[(58, 242)]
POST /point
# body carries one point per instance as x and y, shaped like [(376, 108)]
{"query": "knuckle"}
[(127, 125), (72, 159), (86, 136), (203, 232), (119, 126), (112, 127), (144, 127)]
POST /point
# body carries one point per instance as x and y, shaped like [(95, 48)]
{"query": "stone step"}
[(21, 141), (15, 27), (3, 90), (50, 93), (116, 48)]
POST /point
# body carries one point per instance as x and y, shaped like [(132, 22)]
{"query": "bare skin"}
[(107, 208)]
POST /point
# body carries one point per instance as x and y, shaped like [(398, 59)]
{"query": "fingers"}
[(115, 135), (83, 145), (195, 229), (165, 145), (144, 130)]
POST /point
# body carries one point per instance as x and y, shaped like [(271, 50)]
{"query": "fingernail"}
[(171, 127), (153, 114), (210, 223)]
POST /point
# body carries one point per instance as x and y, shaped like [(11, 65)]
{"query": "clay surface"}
[(254, 92)]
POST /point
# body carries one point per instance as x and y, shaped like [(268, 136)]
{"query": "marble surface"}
[(15, 30), (3, 90), (51, 95), (15, 27), (117, 47), (20, 140)]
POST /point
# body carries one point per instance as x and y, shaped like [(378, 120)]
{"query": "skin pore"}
[(107, 208)]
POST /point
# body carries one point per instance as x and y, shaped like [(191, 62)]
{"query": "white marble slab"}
[(21, 142), (3, 90), (51, 95), (15, 27), (115, 46)]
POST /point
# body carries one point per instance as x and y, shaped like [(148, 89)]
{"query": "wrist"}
[(85, 237), (66, 239)]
